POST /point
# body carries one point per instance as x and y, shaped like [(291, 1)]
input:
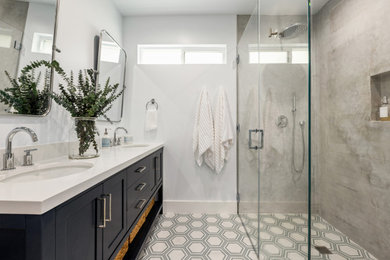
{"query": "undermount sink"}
[(46, 172), (135, 145)]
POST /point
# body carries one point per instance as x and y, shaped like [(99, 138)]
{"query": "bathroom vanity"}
[(84, 216)]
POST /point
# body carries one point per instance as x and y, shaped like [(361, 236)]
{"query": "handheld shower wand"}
[(294, 109), (297, 171)]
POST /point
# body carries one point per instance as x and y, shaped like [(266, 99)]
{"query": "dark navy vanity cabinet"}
[(93, 225)]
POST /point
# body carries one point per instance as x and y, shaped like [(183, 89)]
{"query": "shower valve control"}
[(282, 121)]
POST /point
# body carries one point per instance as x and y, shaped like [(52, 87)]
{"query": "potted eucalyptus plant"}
[(25, 95), (85, 100)]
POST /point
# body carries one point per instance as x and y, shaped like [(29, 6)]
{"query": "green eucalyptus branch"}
[(86, 98), (83, 97)]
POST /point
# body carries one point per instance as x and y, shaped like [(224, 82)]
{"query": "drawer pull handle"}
[(157, 163), (141, 187), (104, 212), (140, 204), (109, 207), (141, 169)]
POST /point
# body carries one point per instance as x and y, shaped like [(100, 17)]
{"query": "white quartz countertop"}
[(38, 197)]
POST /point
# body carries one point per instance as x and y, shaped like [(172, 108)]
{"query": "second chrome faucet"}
[(117, 141)]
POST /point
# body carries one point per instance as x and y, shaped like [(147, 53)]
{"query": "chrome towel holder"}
[(152, 102)]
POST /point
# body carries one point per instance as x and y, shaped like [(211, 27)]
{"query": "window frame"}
[(38, 38), (289, 48), (184, 48)]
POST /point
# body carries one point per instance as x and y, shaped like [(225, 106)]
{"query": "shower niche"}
[(380, 95)]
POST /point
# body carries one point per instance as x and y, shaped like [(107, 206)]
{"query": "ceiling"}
[(193, 7)]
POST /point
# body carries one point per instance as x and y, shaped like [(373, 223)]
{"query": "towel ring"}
[(153, 103)]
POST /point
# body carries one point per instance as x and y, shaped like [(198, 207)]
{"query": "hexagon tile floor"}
[(224, 237), (284, 236)]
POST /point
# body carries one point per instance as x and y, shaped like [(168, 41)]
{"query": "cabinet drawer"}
[(139, 170), (137, 197)]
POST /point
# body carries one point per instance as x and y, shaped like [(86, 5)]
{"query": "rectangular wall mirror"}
[(27, 33), (111, 63)]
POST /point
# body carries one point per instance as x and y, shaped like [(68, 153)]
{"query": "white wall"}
[(176, 89), (79, 22)]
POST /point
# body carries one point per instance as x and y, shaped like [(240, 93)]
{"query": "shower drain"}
[(323, 250)]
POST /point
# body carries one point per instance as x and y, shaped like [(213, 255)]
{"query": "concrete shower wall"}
[(352, 157)]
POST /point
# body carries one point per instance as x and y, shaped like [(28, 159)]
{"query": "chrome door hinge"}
[(238, 197), (238, 128), (238, 59), (17, 45)]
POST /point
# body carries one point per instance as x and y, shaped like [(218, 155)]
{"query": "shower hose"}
[(297, 171)]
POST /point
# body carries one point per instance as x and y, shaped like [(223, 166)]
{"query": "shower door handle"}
[(255, 147)]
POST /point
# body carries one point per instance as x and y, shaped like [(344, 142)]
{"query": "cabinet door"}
[(114, 191), (77, 233)]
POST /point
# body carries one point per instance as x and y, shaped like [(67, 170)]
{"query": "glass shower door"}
[(273, 141), (249, 133)]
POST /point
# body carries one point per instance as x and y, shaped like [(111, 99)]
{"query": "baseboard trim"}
[(203, 207)]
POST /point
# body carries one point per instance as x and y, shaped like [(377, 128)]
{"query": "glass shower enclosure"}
[(273, 132)]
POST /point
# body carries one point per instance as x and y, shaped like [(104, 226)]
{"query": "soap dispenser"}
[(106, 140), (384, 109)]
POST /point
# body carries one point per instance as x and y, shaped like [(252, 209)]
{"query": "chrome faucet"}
[(8, 157), (117, 141)]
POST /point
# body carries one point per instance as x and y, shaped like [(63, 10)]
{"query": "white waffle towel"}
[(203, 135), (224, 131)]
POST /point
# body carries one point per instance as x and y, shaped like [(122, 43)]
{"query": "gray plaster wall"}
[(351, 153), (14, 13)]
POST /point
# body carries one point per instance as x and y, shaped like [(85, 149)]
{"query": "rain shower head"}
[(293, 31), (289, 32)]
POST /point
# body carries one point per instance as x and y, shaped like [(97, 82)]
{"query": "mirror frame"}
[(98, 49), (53, 55)]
